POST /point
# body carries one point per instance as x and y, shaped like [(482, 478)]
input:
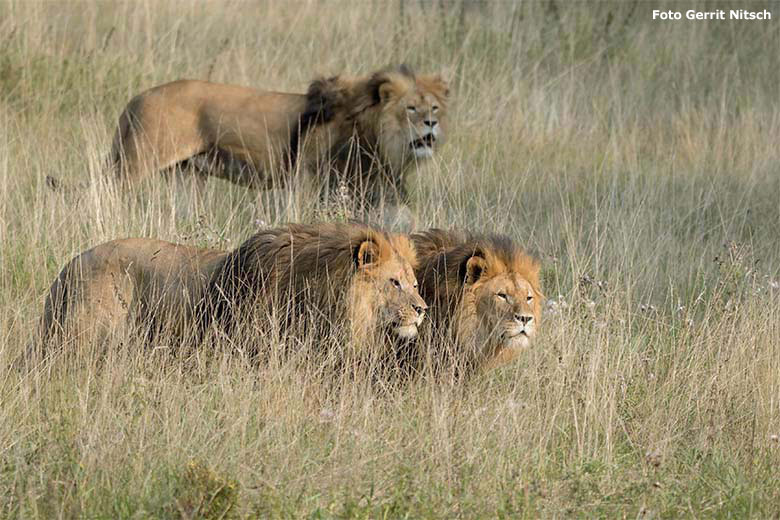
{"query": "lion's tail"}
[(110, 163), (58, 186)]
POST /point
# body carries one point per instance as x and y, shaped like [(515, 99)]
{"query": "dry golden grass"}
[(639, 159)]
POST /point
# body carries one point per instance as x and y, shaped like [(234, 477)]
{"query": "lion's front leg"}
[(388, 204)]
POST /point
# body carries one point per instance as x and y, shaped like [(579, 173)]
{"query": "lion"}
[(344, 272), (127, 287), (362, 133), (483, 290)]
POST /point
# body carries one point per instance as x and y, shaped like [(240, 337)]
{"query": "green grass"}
[(637, 158)]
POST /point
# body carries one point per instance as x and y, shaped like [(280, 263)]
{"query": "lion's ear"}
[(537, 289), (367, 93), (444, 86), (533, 279), (367, 253), (387, 91), (474, 269)]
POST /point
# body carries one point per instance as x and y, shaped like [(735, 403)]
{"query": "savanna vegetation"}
[(638, 159)]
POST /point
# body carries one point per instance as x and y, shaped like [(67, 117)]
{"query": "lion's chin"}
[(424, 152), (422, 148), (518, 341), (406, 331)]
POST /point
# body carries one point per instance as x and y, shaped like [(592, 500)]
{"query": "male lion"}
[(139, 285), (343, 272), (362, 133), (483, 290)]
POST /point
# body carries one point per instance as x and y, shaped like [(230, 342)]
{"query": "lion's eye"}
[(435, 108), (411, 109), (501, 295), (395, 283), (529, 299)]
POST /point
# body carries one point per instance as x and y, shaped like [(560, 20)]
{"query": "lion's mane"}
[(301, 267), (451, 264)]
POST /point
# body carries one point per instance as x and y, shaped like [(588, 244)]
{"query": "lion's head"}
[(410, 113), (389, 120), (335, 270), (484, 289), (384, 293)]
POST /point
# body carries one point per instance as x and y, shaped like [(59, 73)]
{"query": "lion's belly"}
[(251, 136), (233, 168)]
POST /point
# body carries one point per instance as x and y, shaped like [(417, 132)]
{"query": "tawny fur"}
[(364, 130), (127, 287), (484, 292), (347, 273)]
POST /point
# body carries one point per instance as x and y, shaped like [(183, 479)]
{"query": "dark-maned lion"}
[(361, 132), (338, 271), (483, 290), (347, 273)]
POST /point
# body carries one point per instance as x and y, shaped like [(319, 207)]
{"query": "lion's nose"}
[(420, 309), (431, 122), (525, 319)]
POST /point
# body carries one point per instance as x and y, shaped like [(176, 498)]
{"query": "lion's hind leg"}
[(151, 138), (88, 305)]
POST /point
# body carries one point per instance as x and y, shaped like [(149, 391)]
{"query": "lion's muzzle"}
[(409, 320), (520, 330), (422, 147)]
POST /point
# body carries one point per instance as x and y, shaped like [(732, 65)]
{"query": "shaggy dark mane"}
[(294, 262), (442, 264), (329, 98)]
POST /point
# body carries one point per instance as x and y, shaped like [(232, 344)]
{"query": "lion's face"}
[(504, 307), (413, 118), (508, 306), (384, 295)]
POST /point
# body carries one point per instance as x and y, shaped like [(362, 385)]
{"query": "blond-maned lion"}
[(483, 290), (361, 132), (143, 286), (343, 273)]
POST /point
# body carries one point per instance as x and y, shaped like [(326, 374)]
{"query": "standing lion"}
[(484, 293), (362, 133)]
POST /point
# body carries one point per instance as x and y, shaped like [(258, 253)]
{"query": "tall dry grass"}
[(638, 159)]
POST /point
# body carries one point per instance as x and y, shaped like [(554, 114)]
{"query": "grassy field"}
[(638, 159)]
